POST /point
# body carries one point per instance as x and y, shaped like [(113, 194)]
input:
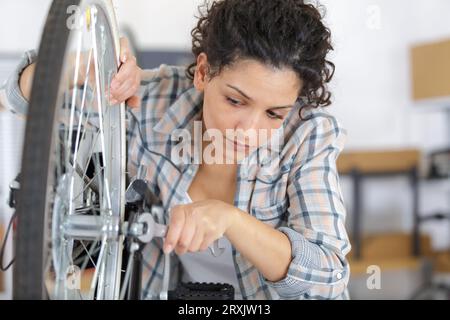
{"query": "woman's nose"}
[(247, 129), (249, 121)]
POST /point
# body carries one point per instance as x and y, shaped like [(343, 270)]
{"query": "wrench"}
[(160, 230), (157, 230)]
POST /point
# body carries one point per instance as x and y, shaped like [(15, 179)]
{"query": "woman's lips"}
[(239, 145)]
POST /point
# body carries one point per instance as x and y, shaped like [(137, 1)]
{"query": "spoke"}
[(87, 185), (83, 210), (91, 151), (81, 139), (76, 253), (99, 262), (64, 122), (97, 166), (93, 250), (82, 173), (126, 278), (72, 111), (89, 255), (83, 101), (86, 180), (99, 103)]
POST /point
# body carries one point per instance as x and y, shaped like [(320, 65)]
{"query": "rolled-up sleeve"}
[(11, 96), (316, 218)]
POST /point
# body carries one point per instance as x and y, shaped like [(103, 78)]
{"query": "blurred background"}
[(391, 92)]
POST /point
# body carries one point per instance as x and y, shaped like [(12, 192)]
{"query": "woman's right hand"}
[(125, 84)]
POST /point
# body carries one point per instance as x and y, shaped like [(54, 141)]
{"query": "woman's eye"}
[(273, 115), (234, 102)]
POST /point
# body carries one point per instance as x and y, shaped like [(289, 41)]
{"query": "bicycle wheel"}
[(71, 202)]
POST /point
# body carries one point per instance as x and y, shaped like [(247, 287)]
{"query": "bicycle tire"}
[(33, 206)]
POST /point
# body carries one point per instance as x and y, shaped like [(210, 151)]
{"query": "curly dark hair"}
[(281, 33)]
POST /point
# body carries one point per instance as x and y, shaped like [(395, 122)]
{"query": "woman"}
[(261, 72)]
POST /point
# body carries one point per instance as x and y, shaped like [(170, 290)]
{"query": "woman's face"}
[(249, 98)]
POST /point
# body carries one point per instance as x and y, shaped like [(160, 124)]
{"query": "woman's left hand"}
[(194, 227)]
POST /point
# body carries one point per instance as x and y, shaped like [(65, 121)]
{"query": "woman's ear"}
[(201, 72)]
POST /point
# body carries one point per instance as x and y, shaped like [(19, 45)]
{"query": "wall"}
[(372, 99)]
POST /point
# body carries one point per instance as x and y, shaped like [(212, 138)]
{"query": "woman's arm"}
[(11, 95), (268, 249), (26, 81)]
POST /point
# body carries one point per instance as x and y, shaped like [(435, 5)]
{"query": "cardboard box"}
[(430, 65)]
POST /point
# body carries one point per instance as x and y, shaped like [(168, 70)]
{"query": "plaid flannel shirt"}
[(301, 196)]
